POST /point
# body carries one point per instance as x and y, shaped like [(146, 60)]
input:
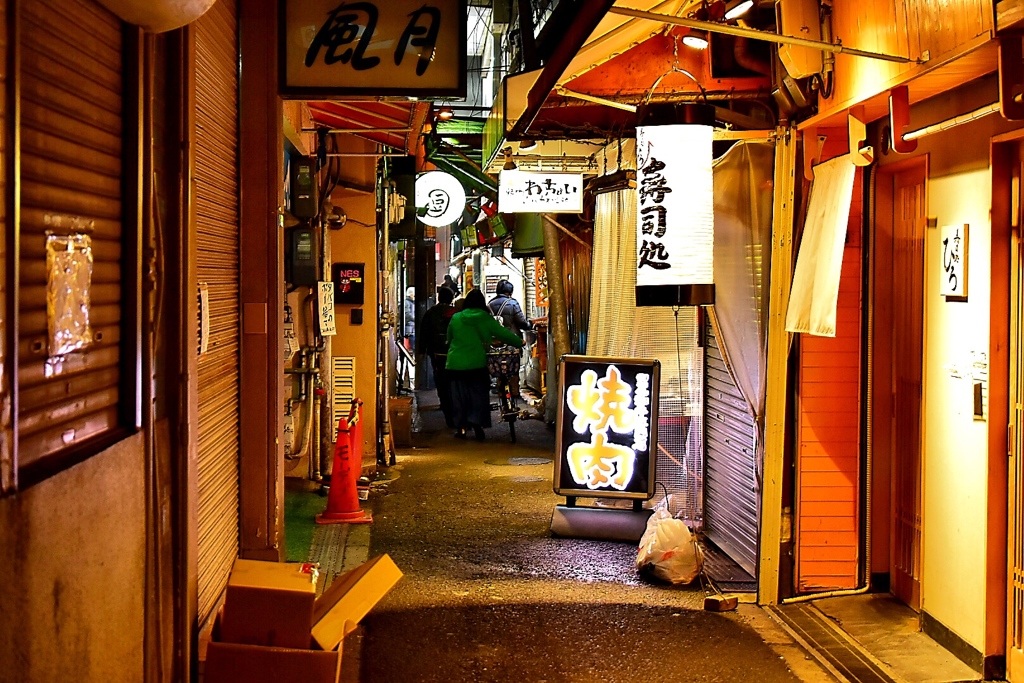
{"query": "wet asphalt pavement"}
[(489, 595)]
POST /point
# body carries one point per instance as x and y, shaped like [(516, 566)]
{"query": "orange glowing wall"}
[(828, 450)]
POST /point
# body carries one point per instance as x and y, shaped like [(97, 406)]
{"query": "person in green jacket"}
[(470, 334)]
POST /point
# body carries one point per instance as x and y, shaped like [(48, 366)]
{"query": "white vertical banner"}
[(325, 300), (675, 215)]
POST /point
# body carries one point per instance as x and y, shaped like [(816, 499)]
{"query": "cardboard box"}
[(234, 663), (269, 604), (400, 408), (349, 597)]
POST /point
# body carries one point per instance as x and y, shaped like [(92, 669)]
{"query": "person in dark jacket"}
[(509, 309), (450, 284), (470, 334), (432, 337), (512, 318)]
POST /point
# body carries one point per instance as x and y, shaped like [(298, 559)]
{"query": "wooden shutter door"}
[(216, 213), (72, 130)]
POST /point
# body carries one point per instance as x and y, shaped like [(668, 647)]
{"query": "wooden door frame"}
[(997, 594), (882, 433)]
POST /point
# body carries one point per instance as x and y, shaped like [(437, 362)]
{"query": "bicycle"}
[(501, 364)]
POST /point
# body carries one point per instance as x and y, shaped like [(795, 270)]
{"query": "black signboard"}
[(607, 428), (349, 279)]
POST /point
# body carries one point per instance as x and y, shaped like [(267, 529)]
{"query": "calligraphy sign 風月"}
[(398, 47), (607, 428)]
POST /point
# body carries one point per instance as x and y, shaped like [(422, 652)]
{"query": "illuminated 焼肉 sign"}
[(398, 47), (607, 429), (539, 192), (675, 206)]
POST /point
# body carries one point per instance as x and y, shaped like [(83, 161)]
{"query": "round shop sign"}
[(440, 199)]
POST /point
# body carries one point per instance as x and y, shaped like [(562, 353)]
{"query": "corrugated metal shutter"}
[(730, 489), (71, 171), (217, 236)]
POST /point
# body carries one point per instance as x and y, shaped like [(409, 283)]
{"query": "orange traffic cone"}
[(343, 499)]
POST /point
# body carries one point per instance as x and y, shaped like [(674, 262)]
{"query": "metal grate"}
[(343, 386), (829, 645)]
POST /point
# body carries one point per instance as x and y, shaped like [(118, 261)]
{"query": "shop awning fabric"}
[(396, 124)]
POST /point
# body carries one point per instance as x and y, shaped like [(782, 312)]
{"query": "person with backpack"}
[(508, 312), (433, 339)]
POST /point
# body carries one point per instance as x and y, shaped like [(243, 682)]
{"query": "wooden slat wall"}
[(217, 238), (828, 457), (906, 28), (71, 152)]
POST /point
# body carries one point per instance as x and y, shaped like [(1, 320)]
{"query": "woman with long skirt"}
[(470, 334)]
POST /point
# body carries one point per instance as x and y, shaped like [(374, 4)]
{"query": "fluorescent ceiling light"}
[(738, 8)]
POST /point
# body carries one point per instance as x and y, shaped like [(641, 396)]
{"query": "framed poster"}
[(349, 280), (401, 48), (607, 427)]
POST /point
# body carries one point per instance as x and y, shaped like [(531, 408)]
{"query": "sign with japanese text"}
[(399, 47), (540, 277), (607, 428), (675, 205), (348, 283), (325, 306), (440, 198), (953, 280), (539, 192)]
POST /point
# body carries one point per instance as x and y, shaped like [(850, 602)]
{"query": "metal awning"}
[(394, 123)]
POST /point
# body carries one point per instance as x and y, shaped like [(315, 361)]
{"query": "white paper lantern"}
[(675, 206)]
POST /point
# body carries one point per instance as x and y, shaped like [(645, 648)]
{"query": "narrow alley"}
[(489, 594)]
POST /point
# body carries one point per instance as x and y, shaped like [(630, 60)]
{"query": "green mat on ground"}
[(300, 511)]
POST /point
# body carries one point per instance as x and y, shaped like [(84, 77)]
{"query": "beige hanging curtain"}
[(815, 293)]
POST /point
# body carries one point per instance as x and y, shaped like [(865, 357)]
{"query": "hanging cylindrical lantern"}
[(675, 205)]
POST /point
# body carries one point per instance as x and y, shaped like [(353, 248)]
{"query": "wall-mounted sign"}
[(349, 279), (440, 198), (376, 47), (607, 429), (675, 206), (539, 192), (325, 308), (540, 282), (953, 241)]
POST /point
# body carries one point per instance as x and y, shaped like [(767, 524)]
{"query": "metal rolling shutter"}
[(730, 490), (71, 174), (217, 235)]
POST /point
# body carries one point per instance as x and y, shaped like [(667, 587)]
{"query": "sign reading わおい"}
[(539, 192), (607, 427)]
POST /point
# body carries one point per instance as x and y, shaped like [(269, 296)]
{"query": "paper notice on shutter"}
[(819, 263)]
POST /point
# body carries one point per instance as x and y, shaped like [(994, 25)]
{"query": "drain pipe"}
[(869, 185)]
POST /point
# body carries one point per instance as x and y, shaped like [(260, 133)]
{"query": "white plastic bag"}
[(669, 550)]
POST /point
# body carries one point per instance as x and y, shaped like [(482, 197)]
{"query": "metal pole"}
[(558, 319), (366, 154), (759, 35), (405, 129), (953, 122)]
